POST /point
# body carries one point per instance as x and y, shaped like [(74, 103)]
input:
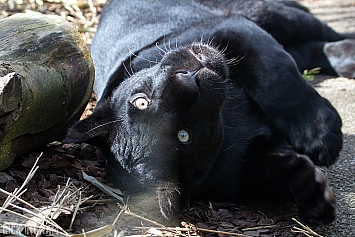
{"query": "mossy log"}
[(46, 78)]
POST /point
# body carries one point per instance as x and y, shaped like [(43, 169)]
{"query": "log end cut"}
[(46, 79)]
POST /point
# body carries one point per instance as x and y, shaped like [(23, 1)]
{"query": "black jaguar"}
[(204, 100)]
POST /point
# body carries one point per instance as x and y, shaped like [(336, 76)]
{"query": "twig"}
[(197, 229), (98, 201), (102, 231), (260, 227), (299, 230), (101, 186), (75, 211), (141, 217), (87, 29), (83, 232), (221, 232), (94, 13), (178, 229), (30, 219), (16, 196), (306, 230), (119, 214), (19, 191), (39, 215)]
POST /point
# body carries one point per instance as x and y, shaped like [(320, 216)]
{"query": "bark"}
[(46, 78)]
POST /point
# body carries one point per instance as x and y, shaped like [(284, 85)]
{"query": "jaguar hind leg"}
[(285, 173)]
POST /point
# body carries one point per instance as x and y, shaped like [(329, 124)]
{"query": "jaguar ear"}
[(94, 128), (340, 55)]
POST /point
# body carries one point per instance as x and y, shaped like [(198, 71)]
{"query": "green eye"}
[(141, 103), (183, 136)]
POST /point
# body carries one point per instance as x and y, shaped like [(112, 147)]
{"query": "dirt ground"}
[(60, 161), (341, 92)]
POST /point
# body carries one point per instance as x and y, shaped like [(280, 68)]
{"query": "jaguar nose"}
[(189, 78), (182, 90)]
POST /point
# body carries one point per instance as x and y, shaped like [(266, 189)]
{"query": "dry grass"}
[(39, 220), (68, 201)]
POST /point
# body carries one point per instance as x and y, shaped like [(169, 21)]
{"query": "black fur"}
[(211, 70)]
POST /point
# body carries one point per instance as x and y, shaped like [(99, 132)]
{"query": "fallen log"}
[(46, 78)]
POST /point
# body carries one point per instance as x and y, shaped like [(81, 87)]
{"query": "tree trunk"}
[(46, 78)]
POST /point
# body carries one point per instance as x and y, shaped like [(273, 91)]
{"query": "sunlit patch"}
[(349, 197)]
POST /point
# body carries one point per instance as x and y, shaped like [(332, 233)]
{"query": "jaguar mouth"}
[(210, 58), (169, 198)]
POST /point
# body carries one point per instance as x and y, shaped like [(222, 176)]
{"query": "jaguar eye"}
[(140, 103), (183, 136)]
